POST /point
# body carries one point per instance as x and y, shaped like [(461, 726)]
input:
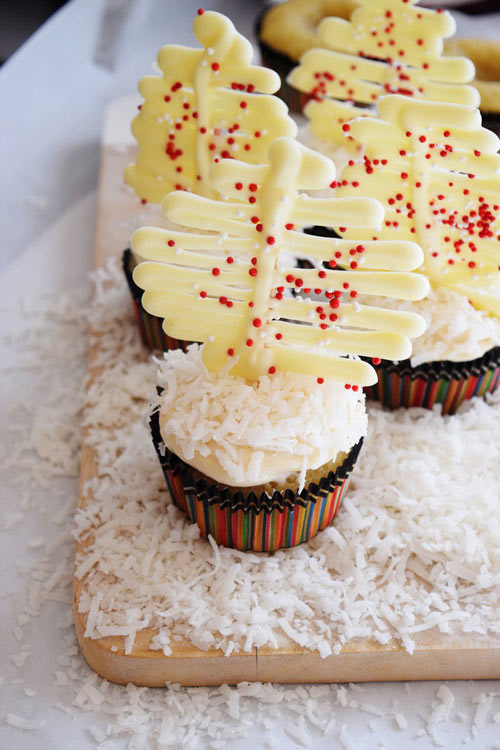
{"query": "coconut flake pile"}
[(448, 533), (415, 546), (288, 415), (456, 330)]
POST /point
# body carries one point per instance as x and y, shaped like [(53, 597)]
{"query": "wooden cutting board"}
[(436, 656)]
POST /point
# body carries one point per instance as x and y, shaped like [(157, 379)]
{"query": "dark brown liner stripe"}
[(444, 369), (213, 494)]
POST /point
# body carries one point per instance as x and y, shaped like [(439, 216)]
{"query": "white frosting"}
[(249, 433), (455, 329)]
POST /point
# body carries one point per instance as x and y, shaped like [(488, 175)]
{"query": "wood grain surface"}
[(436, 656)]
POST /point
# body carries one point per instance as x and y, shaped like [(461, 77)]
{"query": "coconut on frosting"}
[(456, 330), (249, 433)]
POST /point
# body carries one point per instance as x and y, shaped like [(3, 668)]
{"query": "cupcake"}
[(208, 104), (456, 358), (257, 465), (258, 430), (437, 171)]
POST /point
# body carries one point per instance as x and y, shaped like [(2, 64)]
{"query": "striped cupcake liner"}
[(150, 327), (261, 524), (446, 383)]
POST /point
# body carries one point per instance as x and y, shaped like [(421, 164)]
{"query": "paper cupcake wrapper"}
[(258, 523), (150, 327), (447, 383)]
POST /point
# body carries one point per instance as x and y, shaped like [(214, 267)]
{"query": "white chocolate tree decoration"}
[(437, 172), (387, 47), (228, 285), (205, 107)]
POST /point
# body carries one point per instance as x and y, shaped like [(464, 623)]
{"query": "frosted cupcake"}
[(259, 429), (208, 104), (437, 171), (257, 465)]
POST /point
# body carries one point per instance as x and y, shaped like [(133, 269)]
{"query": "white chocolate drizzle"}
[(387, 47), (247, 306), (205, 107), (436, 171)]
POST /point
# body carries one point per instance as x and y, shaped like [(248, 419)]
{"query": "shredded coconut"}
[(455, 329), (252, 433), (410, 538)]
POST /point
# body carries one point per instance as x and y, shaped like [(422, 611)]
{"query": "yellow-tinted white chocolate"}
[(387, 46), (437, 172), (203, 108), (228, 289)]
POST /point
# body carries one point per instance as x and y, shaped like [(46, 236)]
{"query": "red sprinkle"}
[(215, 271)]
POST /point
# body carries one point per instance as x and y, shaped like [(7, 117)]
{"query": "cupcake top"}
[(244, 433), (456, 330)]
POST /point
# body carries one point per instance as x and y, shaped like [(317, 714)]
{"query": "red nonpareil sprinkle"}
[(252, 187), (256, 322), (223, 300), (258, 227), (322, 274), (200, 11), (250, 304), (333, 317), (299, 282), (346, 128), (272, 370), (243, 105), (471, 264), (354, 293), (170, 243), (278, 336), (347, 386), (139, 106), (203, 295), (215, 66), (166, 98), (334, 303), (203, 130), (252, 199), (420, 42), (332, 263), (257, 134), (376, 360), (253, 272), (215, 271), (254, 219), (320, 380), (229, 259), (289, 227), (345, 285), (249, 342), (270, 240), (289, 278), (211, 146), (238, 185), (253, 261), (404, 175), (230, 351)]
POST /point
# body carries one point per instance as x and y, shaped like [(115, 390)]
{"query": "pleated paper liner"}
[(150, 327), (261, 524), (444, 382)]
